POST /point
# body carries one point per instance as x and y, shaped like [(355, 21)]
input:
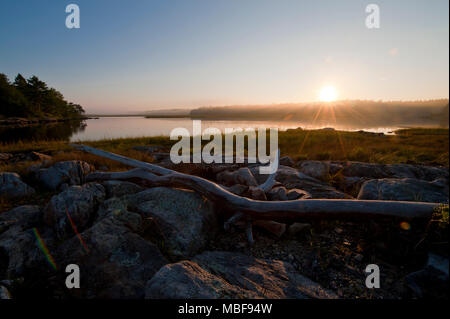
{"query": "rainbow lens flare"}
[(44, 249)]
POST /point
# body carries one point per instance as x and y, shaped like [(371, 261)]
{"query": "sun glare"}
[(328, 94)]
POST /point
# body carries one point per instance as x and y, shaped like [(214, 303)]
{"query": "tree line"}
[(32, 98)]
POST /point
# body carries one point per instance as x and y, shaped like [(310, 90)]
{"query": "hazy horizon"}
[(144, 55)]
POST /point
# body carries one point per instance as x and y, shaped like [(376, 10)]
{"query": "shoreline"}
[(20, 122)]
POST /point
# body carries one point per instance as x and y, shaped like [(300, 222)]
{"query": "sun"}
[(328, 94)]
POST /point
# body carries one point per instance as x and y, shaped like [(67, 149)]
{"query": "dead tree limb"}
[(280, 211), (251, 210)]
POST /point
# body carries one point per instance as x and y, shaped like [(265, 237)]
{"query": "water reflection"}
[(117, 127), (49, 131)]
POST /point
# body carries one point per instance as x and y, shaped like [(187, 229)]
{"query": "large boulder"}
[(317, 169), (405, 189), (22, 217), (20, 253), (368, 170), (379, 171), (70, 173), (11, 186), (121, 188), (183, 220), (74, 205), (214, 275), (291, 178), (428, 173), (115, 261)]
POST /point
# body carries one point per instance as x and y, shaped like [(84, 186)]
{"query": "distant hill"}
[(349, 112), (168, 113)]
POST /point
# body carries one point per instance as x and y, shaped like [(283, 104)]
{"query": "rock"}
[(79, 202), (242, 176), (187, 280), (117, 261), (277, 194), (23, 217), (11, 186), (277, 229), (316, 169), (295, 193), (182, 219), (71, 172), (4, 293), (432, 281), (406, 189), (286, 161), (121, 188), (298, 228), (291, 178), (335, 168), (214, 275), (20, 254), (256, 193), (379, 171), (351, 184), (238, 189), (359, 169), (427, 173)]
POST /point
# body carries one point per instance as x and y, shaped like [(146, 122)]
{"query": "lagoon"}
[(125, 127)]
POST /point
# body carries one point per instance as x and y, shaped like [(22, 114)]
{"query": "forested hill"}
[(350, 112), (32, 98)]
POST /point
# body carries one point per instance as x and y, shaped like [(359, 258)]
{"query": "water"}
[(116, 127)]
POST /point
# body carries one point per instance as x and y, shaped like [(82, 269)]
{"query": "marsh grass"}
[(414, 146)]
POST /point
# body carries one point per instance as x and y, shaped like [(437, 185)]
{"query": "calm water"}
[(115, 127)]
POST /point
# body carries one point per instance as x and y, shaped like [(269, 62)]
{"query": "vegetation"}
[(415, 146), (32, 98)]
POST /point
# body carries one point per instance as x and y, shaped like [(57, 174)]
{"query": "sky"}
[(141, 55)]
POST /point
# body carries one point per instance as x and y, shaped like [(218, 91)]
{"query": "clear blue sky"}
[(141, 54)]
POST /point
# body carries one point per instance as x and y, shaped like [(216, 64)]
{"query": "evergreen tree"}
[(33, 98)]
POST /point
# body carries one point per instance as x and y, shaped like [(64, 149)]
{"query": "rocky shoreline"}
[(135, 241)]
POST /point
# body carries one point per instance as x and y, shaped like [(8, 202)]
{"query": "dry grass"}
[(416, 146)]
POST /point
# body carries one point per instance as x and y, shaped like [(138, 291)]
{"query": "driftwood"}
[(280, 211)]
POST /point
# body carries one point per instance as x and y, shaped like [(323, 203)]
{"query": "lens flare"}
[(405, 225), (74, 227), (44, 249)]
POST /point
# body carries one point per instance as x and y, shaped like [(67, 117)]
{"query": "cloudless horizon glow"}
[(131, 56)]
